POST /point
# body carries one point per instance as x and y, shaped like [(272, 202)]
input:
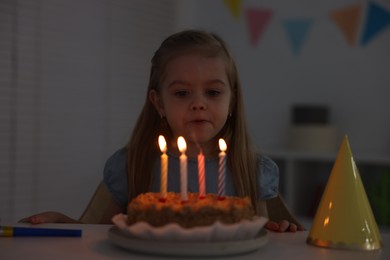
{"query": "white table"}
[(94, 244)]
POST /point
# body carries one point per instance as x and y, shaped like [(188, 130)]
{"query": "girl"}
[(194, 91)]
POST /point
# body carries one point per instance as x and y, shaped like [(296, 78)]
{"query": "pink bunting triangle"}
[(257, 19)]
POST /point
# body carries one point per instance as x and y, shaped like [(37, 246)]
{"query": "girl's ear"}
[(155, 98)]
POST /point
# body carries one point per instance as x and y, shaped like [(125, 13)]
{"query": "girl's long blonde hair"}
[(142, 147)]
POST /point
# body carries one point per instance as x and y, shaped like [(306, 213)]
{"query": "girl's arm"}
[(48, 217), (112, 209), (102, 207)]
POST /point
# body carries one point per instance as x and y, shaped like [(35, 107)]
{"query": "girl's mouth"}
[(199, 121)]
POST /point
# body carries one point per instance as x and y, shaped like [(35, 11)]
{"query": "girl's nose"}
[(198, 104)]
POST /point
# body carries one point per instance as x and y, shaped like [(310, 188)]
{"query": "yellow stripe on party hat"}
[(344, 218)]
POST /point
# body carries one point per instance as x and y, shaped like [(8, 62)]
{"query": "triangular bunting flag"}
[(234, 7), (377, 20), (348, 20), (257, 19), (297, 30)]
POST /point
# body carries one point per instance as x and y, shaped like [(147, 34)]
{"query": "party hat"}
[(344, 218)]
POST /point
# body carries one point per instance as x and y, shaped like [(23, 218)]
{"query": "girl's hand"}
[(48, 217), (283, 226)]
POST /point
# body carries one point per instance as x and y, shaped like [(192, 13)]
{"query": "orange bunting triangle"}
[(348, 20), (257, 19), (234, 7)]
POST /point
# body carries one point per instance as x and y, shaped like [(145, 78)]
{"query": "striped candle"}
[(201, 176), (222, 169)]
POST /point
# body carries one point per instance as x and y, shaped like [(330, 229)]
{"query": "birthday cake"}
[(149, 208)]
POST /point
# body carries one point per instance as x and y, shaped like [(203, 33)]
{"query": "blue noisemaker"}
[(7, 231)]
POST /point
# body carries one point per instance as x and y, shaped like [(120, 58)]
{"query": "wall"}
[(73, 79), (352, 80)]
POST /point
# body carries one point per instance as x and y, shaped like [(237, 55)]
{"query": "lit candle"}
[(222, 169), (181, 143), (164, 168), (201, 175)]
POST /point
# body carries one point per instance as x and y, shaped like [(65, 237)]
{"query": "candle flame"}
[(162, 143), (181, 143), (222, 145)]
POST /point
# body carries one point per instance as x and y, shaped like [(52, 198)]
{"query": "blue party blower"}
[(7, 231)]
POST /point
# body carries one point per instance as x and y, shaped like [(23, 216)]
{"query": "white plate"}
[(218, 232), (176, 248)]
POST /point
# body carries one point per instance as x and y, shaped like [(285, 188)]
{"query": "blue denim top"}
[(115, 176)]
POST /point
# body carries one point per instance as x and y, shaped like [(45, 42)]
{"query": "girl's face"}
[(195, 98)]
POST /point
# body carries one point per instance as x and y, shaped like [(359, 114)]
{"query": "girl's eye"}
[(213, 92), (181, 93)]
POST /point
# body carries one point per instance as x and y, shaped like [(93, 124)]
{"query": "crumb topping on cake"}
[(194, 212)]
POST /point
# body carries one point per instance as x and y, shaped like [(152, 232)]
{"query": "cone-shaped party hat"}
[(344, 218)]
